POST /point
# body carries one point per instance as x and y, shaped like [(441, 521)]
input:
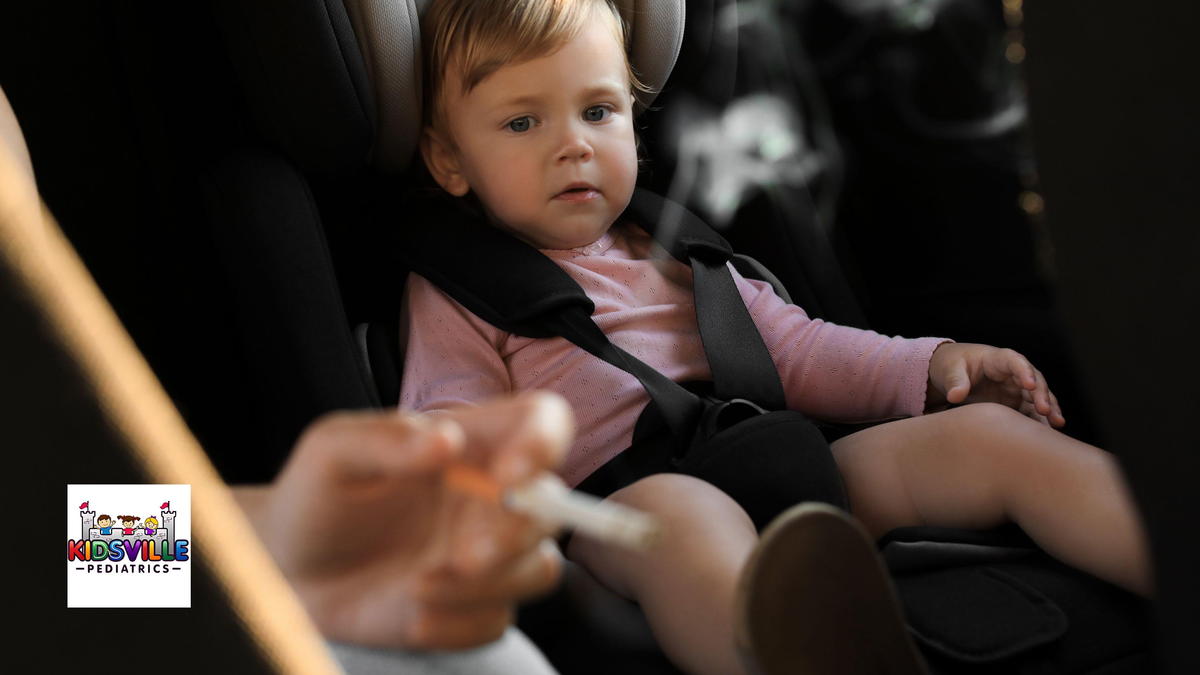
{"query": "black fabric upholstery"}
[(991, 602), (293, 329), (304, 79), (960, 612), (996, 615)]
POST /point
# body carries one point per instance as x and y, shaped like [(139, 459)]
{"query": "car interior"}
[(221, 169)]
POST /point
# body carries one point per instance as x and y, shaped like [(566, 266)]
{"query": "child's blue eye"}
[(595, 113), (520, 124)]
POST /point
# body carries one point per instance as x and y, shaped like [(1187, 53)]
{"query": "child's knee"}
[(980, 427), (702, 529), (678, 499), (999, 441), (975, 416)]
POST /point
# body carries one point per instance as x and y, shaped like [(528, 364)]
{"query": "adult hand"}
[(381, 553), (973, 373)]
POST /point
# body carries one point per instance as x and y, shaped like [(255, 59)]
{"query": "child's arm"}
[(972, 373), (450, 355), (839, 373)]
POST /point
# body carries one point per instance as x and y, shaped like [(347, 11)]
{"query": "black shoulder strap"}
[(738, 357), (680, 408), (500, 278), (739, 360)]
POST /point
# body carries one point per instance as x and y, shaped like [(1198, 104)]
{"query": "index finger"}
[(516, 438), (1021, 367)]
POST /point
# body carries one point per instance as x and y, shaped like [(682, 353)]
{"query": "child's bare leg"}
[(686, 584), (984, 464)]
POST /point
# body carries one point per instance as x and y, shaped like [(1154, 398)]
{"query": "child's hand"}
[(971, 373)]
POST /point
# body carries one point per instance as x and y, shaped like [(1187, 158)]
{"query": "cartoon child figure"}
[(105, 523), (151, 524), (127, 524)]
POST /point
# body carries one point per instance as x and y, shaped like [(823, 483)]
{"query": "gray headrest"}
[(388, 34)]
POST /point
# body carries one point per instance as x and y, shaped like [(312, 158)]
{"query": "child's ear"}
[(442, 161)]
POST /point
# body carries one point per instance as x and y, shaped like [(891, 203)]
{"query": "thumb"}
[(957, 383)]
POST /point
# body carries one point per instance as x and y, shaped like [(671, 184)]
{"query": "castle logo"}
[(129, 546)]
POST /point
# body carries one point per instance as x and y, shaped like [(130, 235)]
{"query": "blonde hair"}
[(150, 520), (478, 37)]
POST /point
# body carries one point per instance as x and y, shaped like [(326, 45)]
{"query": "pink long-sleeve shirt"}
[(644, 304)]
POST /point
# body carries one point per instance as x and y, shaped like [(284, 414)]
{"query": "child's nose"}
[(575, 146)]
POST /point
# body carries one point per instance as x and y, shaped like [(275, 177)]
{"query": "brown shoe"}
[(814, 599)]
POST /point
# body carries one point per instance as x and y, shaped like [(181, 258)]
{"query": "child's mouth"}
[(578, 194)]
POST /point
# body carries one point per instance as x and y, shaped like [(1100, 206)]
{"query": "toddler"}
[(530, 112)]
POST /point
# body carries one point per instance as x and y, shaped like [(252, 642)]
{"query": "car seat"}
[(307, 67)]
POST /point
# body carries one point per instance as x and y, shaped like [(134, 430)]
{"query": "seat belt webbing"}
[(740, 363), (679, 407)]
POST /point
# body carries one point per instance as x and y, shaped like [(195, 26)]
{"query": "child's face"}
[(104, 522), (530, 134)]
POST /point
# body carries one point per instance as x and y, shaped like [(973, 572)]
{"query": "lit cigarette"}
[(548, 499)]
